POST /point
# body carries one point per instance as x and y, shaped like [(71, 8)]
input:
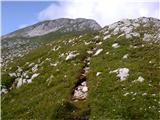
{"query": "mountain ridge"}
[(48, 26)]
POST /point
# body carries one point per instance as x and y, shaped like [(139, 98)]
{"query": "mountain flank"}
[(81, 71)]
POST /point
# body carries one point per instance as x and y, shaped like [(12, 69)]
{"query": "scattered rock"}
[(33, 76), (148, 37), (30, 65), (50, 78), (80, 92), (85, 89), (71, 55), (126, 94), (98, 74), (100, 43), (122, 73), (87, 43), (12, 74), (90, 52), (150, 61), (106, 37), (144, 94), (19, 69), (135, 34), (96, 37), (48, 59), (3, 90), (120, 35), (125, 56), (56, 48), (54, 64), (128, 36), (140, 79), (19, 82), (115, 45), (98, 52), (62, 55), (107, 53), (35, 68), (65, 76)]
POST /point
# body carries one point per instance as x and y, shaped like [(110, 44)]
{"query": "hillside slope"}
[(109, 74), (22, 41)]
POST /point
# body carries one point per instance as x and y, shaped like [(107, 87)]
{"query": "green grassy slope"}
[(49, 94)]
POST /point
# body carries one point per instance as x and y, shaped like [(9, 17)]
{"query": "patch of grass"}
[(108, 98)]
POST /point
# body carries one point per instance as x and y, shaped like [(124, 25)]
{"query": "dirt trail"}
[(80, 91)]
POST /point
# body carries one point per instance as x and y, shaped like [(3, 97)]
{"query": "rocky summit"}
[(72, 69), (62, 25)]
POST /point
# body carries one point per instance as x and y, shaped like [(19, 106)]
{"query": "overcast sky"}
[(16, 15)]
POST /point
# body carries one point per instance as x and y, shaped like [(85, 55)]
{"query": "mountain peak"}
[(61, 25)]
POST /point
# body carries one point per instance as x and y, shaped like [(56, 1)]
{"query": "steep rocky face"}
[(62, 25)]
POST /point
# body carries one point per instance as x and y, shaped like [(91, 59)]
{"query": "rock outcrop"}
[(134, 28)]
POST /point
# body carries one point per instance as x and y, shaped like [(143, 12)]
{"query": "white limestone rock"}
[(112, 26), (96, 37), (81, 91), (90, 52), (136, 25), (31, 64), (71, 55), (125, 56), (19, 69), (148, 37), (62, 55), (85, 89), (84, 83), (35, 68), (20, 82), (144, 94), (116, 31), (98, 74), (99, 43), (98, 52), (126, 94), (140, 79), (54, 64), (122, 73), (106, 37), (115, 45), (79, 94), (12, 75), (87, 43), (56, 48), (135, 34), (105, 32), (3, 91), (121, 35), (33, 76)]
